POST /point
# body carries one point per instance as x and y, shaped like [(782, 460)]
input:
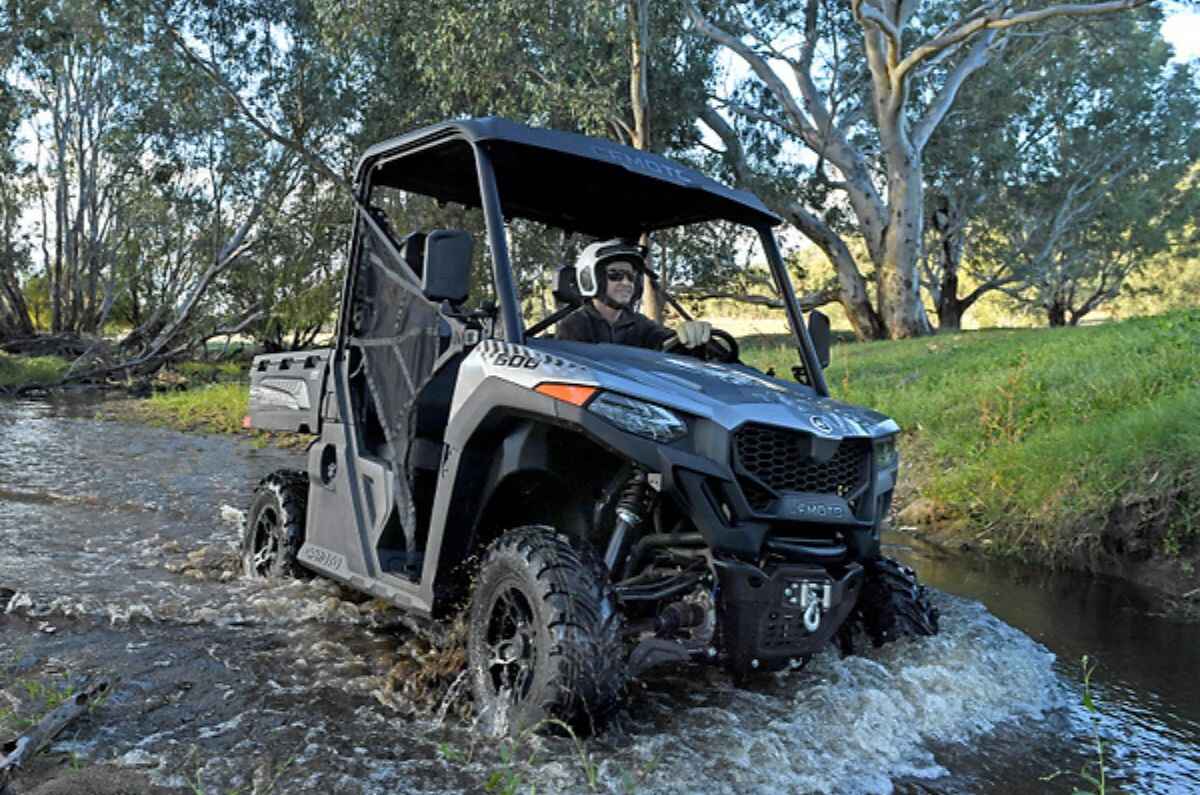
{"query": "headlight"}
[(637, 416), (886, 455)]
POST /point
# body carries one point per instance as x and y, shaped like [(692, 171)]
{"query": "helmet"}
[(589, 268)]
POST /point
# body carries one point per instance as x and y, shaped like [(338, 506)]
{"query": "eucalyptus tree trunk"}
[(899, 297), (639, 99), (947, 221)]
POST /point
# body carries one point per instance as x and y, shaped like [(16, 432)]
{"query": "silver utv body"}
[(480, 448)]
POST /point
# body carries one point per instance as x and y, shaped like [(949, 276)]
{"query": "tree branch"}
[(970, 27), (976, 58), (807, 302), (213, 72), (758, 65), (869, 13), (18, 752)]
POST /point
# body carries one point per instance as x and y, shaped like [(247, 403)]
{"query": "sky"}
[(1181, 28)]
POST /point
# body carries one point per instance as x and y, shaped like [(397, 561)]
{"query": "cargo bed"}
[(285, 390)]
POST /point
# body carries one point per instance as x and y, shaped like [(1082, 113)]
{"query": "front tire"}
[(274, 529), (893, 604), (544, 640)]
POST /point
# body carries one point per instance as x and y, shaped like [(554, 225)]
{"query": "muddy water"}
[(117, 557)]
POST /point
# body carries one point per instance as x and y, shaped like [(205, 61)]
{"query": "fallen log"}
[(16, 752)]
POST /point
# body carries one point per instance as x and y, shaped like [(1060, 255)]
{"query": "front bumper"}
[(762, 612)]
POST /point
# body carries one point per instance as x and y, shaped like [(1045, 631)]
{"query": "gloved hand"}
[(693, 333)]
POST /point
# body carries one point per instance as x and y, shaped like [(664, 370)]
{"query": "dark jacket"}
[(586, 324)]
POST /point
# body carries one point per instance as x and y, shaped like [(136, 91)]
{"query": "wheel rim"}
[(266, 542), (511, 644)]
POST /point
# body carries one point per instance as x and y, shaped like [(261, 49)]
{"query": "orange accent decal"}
[(569, 393)]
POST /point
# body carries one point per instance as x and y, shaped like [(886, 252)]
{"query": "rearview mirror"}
[(447, 274), (818, 330)]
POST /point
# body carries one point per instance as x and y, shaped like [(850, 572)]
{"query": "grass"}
[(29, 701), (212, 408), (1099, 778), (200, 372), (19, 370), (1035, 434)]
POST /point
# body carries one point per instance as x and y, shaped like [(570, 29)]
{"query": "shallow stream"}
[(117, 556)]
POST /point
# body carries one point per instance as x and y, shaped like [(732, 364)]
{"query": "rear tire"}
[(544, 638), (893, 604), (274, 529)]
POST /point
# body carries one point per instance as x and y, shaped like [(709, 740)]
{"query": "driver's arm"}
[(690, 334)]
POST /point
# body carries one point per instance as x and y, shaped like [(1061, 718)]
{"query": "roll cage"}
[(564, 180)]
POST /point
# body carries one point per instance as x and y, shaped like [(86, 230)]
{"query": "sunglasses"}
[(621, 276)]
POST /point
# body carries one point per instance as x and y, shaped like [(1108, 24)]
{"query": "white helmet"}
[(590, 275)]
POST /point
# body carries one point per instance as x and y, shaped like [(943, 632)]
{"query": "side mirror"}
[(447, 275), (818, 330)]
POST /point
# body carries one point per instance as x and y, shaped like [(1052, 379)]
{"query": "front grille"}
[(758, 497), (777, 458)]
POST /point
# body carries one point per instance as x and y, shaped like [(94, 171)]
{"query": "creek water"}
[(118, 556)]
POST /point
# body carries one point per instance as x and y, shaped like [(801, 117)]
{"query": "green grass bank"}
[(1072, 446), (206, 407), (23, 370), (1075, 447)]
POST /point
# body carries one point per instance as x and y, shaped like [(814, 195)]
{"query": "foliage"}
[(21, 370), (1098, 780), (1091, 187), (1034, 437)]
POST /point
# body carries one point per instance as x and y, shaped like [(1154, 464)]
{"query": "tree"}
[(79, 70), (271, 145), (899, 63), (626, 71), (998, 142), (15, 316), (1098, 192), (147, 206)]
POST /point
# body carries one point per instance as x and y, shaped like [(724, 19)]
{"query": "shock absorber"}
[(630, 508)]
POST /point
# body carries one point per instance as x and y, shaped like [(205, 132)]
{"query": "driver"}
[(606, 273)]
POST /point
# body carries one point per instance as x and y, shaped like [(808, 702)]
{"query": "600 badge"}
[(517, 360)]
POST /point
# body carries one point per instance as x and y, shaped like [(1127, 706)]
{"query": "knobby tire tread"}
[(290, 490), (893, 604), (584, 685)]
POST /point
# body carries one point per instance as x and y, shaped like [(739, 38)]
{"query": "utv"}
[(598, 509)]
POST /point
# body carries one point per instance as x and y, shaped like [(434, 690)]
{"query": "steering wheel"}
[(721, 347)]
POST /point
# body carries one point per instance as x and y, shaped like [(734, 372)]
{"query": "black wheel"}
[(893, 604), (275, 526), (544, 639)]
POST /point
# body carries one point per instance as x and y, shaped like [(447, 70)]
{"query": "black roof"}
[(566, 180)]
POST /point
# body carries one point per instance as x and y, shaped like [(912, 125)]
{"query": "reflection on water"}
[(116, 545), (1145, 685)]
